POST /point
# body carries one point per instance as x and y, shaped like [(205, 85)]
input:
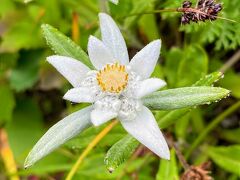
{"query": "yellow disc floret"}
[(113, 78)]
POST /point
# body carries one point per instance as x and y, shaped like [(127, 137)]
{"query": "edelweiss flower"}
[(116, 87)]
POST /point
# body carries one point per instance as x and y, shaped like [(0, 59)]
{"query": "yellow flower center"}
[(113, 78)]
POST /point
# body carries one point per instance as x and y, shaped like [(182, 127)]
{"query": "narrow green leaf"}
[(119, 152), (64, 46), (172, 116), (26, 73), (168, 169), (61, 132), (209, 79), (129, 142), (227, 158), (184, 97)]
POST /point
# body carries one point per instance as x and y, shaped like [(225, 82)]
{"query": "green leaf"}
[(6, 6), (209, 79), (82, 140), (181, 126), (20, 36), (168, 169), (119, 152), (227, 158), (171, 117), (25, 74), (64, 46), (164, 120), (193, 65), (173, 59), (184, 97), (53, 163), (7, 104), (58, 134)]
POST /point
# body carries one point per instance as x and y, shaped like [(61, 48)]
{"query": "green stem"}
[(211, 126), (152, 12), (177, 10)]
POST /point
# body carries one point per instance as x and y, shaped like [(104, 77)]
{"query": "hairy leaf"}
[(209, 79), (119, 152), (184, 97), (64, 46), (164, 121), (64, 130)]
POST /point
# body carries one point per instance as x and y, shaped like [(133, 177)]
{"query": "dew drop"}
[(111, 169)]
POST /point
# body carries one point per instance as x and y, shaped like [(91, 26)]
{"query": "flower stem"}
[(211, 126), (90, 146), (151, 12), (178, 10)]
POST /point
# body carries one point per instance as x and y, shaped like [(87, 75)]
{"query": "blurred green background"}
[(31, 90)]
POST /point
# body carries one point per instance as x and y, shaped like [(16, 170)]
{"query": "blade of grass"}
[(7, 156), (75, 27)]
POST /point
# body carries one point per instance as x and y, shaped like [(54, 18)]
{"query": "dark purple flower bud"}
[(217, 7), (209, 2), (200, 2), (186, 4), (212, 18), (185, 19), (195, 18), (205, 10)]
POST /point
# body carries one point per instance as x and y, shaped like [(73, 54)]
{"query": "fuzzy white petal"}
[(99, 117), (73, 70), (79, 95), (149, 86), (114, 1), (99, 54), (145, 129), (113, 39), (144, 62)]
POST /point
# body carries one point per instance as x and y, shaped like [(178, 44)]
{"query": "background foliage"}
[(31, 90)]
